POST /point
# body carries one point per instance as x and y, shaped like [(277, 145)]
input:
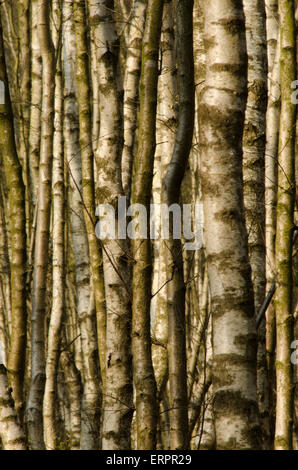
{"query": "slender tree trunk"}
[(74, 389), (222, 118), (4, 257), (131, 89), (254, 139), (91, 401), (284, 230), (271, 155), (36, 95), (17, 217), (34, 405), (58, 286), (118, 407), (172, 184), (272, 131), (272, 28), (144, 380), (87, 158), (24, 88), (165, 139)]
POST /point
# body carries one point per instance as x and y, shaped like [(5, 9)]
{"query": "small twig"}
[(266, 303), (69, 344)]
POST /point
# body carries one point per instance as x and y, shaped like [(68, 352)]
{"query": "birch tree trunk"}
[(36, 95), (172, 184), (272, 131), (35, 400), (74, 389), (11, 433), (272, 28), (165, 135), (254, 139), (284, 230), (131, 89), (87, 157), (24, 89), (144, 380), (5, 290), (58, 287), (17, 217), (86, 312), (222, 118), (118, 408)]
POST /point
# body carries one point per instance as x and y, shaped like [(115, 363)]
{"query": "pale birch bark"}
[(271, 155), (118, 390), (272, 130), (91, 400), (131, 89), (165, 137), (95, 91), (272, 28), (11, 433), (17, 218), (284, 230), (254, 143), (36, 94), (144, 380), (254, 139), (34, 404), (221, 114), (58, 260)]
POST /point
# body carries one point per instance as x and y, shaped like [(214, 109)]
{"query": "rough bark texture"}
[(234, 336), (118, 391), (11, 433)]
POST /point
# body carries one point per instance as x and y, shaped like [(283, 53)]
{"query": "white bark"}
[(234, 336), (58, 289), (118, 391), (35, 113), (11, 433), (85, 296), (131, 89), (165, 137)]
